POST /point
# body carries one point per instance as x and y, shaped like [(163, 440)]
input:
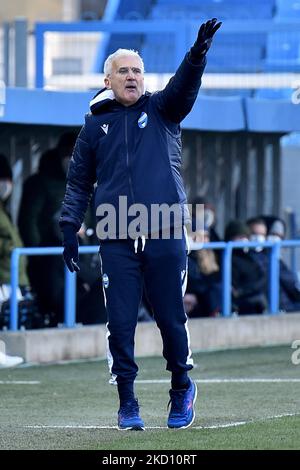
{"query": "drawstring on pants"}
[(136, 243)]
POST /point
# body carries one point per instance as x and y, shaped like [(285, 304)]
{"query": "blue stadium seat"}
[(175, 13), (287, 9), (158, 55), (237, 53), (222, 9), (234, 59), (231, 52), (133, 9), (283, 51)]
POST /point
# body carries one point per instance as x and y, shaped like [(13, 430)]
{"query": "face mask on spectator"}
[(274, 238), (258, 238), (5, 189)]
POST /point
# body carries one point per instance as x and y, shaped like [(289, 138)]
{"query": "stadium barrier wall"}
[(88, 342), (70, 278)]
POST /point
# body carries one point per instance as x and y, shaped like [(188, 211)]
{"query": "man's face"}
[(126, 79)]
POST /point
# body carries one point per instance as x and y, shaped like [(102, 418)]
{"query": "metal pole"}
[(226, 277), (274, 279), (39, 56), (70, 299), (14, 273), (6, 47), (20, 52)]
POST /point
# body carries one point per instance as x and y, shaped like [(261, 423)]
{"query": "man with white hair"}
[(130, 146)]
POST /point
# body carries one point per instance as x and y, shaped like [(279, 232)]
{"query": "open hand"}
[(205, 36)]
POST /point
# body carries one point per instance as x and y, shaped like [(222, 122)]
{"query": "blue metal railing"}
[(70, 282), (70, 278)]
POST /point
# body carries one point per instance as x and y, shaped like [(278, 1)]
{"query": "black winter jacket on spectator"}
[(249, 283)]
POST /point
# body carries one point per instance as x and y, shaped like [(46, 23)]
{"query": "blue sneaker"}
[(182, 413), (129, 418)]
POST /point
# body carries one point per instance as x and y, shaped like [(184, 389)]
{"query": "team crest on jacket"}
[(143, 120)]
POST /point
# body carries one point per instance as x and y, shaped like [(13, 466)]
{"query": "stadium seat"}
[(159, 56), (287, 9), (222, 9), (237, 53), (283, 51)]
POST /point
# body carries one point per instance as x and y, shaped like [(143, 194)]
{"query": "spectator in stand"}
[(43, 193), (207, 214), (248, 277), (289, 298), (258, 231), (289, 295), (10, 239), (269, 221), (9, 235), (204, 288), (38, 222)]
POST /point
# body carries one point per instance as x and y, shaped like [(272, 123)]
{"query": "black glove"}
[(70, 244), (204, 38)]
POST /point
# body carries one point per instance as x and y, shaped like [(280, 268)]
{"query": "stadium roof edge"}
[(43, 107)]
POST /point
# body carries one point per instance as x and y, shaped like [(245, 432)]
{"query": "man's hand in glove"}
[(70, 244), (204, 38)]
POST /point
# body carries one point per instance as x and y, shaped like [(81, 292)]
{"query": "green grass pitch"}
[(72, 406)]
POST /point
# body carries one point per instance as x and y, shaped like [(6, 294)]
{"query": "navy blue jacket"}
[(132, 151)]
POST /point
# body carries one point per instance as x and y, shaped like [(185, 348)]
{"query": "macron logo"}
[(104, 127)]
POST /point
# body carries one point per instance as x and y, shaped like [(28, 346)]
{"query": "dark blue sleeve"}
[(80, 182), (176, 100)]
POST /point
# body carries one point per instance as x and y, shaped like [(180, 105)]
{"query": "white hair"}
[(120, 53)]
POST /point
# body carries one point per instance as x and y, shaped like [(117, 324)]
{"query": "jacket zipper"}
[(127, 159)]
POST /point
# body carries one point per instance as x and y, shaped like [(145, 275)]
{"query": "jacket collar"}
[(105, 98)]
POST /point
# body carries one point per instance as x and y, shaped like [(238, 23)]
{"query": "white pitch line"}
[(220, 381), (214, 426), (242, 423), (19, 382)]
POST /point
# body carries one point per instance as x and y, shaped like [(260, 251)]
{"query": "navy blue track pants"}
[(161, 268)]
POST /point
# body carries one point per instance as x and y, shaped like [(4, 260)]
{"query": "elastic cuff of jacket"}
[(199, 59), (68, 230)]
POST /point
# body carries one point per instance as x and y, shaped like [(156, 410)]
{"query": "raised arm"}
[(179, 95)]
